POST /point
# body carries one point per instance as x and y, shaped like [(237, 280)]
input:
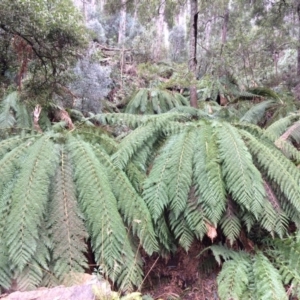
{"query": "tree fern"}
[(57, 191), (225, 165)]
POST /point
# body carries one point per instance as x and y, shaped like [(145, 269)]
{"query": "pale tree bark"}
[(193, 49), (160, 29), (298, 47), (122, 25), (225, 26)]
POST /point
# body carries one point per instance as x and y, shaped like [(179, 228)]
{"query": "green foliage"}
[(244, 274), (208, 172), (154, 101), (14, 113), (58, 191), (43, 42)]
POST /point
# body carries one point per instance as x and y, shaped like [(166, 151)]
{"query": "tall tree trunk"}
[(122, 25), (225, 26), (298, 47), (160, 29), (193, 49)]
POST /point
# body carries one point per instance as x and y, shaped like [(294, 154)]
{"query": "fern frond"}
[(268, 280), (29, 199), (278, 127), (66, 221), (286, 256), (132, 143), (154, 101), (181, 230), (269, 139), (278, 169), (208, 178), (155, 191), (223, 253), (164, 235), (243, 181), (107, 231), (195, 218), (7, 118), (233, 279), (135, 211), (179, 170), (230, 223), (256, 112), (6, 274)]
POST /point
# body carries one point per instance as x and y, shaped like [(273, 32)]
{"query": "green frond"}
[(32, 275), (23, 117), (269, 139), (155, 190), (131, 274), (277, 168), (256, 112), (223, 253), (264, 92), (233, 279), (154, 101), (66, 221), (195, 217), (181, 230), (129, 120), (230, 223), (5, 205), (268, 280), (29, 200), (208, 178), (135, 210), (242, 179), (104, 223), (12, 112), (6, 274), (164, 234), (286, 256), (274, 219), (179, 170), (132, 143), (277, 128), (7, 116)]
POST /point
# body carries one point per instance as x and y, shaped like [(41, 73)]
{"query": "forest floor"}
[(184, 277)]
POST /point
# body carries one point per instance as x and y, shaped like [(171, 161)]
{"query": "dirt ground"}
[(184, 276)]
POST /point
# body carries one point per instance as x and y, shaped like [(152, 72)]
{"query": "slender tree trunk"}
[(193, 49), (122, 25), (225, 26), (160, 29), (298, 47)]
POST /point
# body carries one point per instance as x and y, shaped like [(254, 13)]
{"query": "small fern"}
[(247, 276)]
